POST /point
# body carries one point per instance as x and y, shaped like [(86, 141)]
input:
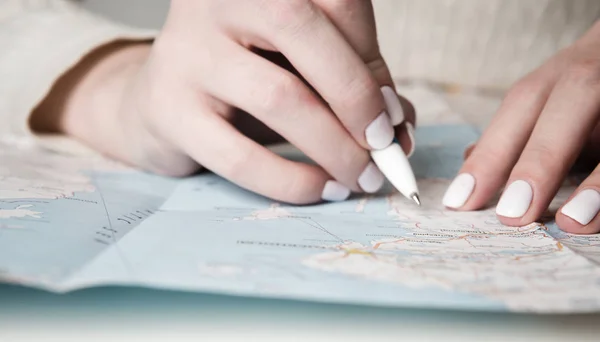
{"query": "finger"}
[(405, 131), (216, 145), (286, 105), (490, 162), (564, 126), (321, 54), (579, 214), (405, 134), (355, 19), (591, 152), (408, 110)]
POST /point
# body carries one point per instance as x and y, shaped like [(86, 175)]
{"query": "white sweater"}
[(476, 43)]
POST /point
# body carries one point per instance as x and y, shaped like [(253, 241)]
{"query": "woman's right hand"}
[(170, 108)]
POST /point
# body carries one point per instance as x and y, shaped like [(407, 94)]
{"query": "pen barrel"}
[(393, 163)]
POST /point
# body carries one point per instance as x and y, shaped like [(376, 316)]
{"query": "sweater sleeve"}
[(40, 40)]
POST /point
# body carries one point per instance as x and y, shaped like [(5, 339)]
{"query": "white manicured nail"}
[(410, 129), (583, 207), (393, 105), (371, 179), (334, 191), (459, 191), (515, 200), (380, 132)]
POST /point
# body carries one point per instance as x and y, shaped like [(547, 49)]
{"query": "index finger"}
[(320, 52), (355, 19)]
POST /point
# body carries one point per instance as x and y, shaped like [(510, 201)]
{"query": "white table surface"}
[(122, 314)]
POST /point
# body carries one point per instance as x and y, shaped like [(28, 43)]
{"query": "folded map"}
[(71, 222)]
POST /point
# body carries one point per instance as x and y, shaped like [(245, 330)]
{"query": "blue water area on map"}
[(71, 231)]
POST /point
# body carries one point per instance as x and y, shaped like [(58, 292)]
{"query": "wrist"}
[(89, 94)]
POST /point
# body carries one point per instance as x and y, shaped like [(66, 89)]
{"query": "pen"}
[(394, 164)]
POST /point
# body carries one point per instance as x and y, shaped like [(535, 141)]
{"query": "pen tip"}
[(416, 199)]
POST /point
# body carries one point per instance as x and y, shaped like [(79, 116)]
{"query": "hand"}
[(172, 107), (545, 122)]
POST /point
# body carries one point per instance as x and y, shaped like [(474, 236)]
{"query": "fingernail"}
[(583, 207), (380, 132), (393, 105), (410, 129), (515, 200), (334, 192), (371, 179), (459, 191)]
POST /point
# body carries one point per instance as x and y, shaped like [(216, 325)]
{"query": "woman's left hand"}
[(547, 120)]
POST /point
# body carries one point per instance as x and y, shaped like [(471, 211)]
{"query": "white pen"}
[(394, 164)]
